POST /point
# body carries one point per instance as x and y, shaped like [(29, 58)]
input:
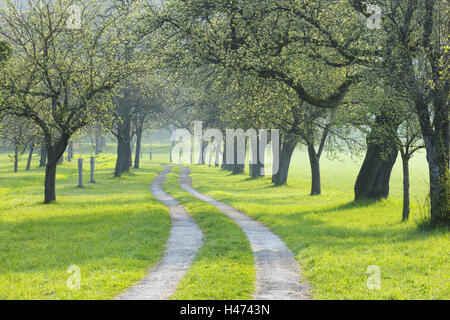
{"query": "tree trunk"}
[(127, 163), (50, 181), (436, 135), (70, 151), (123, 156), (98, 145), (61, 159), (92, 169), (373, 178), (130, 155), (201, 156), (314, 161), (80, 173), (117, 170), (54, 153), (30, 157), (287, 149), (225, 166), (123, 149), (43, 160), (16, 159), (138, 148), (438, 165), (238, 168), (217, 158), (406, 208), (257, 169)]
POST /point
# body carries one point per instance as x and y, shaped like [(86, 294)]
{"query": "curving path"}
[(277, 273), (184, 242)]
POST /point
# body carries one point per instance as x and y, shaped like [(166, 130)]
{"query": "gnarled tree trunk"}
[(382, 150)]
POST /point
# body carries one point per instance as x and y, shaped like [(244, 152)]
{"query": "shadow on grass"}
[(355, 204), (60, 241)]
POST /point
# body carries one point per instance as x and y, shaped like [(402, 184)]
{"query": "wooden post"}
[(80, 172), (151, 156), (92, 169)]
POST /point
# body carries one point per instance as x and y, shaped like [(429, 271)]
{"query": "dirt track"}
[(184, 242), (277, 272)]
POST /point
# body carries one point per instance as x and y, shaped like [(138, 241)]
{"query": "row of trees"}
[(299, 72), (63, 76), (316, 70)]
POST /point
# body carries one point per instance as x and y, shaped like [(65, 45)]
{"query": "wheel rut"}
[(182, 246), (278, 275)]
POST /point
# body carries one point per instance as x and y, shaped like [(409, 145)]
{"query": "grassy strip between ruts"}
[(337, 240), (112, 231), (224, 267)]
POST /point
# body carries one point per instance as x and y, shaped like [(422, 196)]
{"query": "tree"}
[(409, 141), (376, 109), (382, 151), (267, 104), (124, 106), (59, 75), (131, 107), (415, 55), (146, 113), (268, 39), (19, 134), (276, 41)]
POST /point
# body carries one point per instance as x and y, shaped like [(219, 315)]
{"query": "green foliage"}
[(274, 40), (4, 51), (61, 77)]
